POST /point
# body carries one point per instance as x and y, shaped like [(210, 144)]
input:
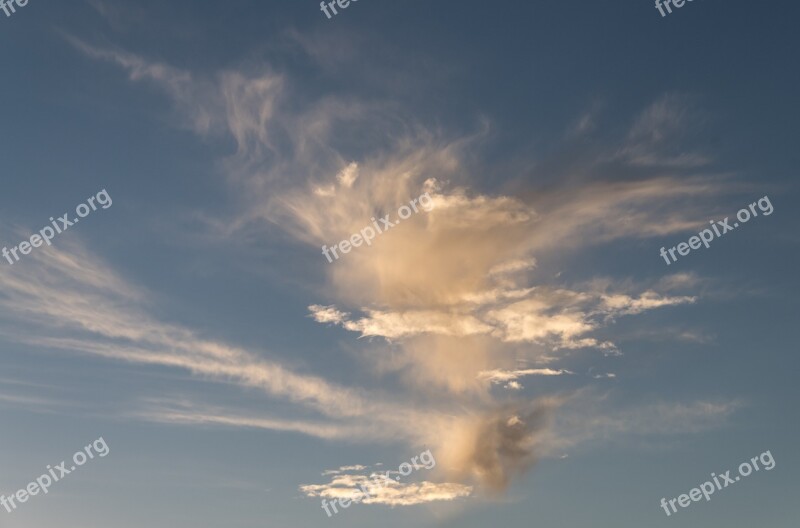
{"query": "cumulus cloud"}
[(494, 447)]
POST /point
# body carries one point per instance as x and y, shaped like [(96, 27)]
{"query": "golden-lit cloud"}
[(387, 492), (450, 301)]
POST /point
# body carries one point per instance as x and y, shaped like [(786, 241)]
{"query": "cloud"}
[(410, 323), (68, 299), (494, 447), (196, 106), (36, 403), (589, 419), (513, 266), (186, 414), (499, 376), (347, 176), (624, 304), (327, 314), (356, 467), (560, 317), (510, 377), (386, 491), (653, 138), (454, 292)]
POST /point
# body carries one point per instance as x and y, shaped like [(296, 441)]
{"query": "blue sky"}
[(525, 329)]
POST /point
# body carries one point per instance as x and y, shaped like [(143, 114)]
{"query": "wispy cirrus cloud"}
[(654, 139), (591, 419), (76, 303)]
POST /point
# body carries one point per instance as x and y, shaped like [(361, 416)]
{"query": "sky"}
[(504, 178)]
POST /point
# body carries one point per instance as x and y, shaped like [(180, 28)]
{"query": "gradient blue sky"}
[(196, 326)]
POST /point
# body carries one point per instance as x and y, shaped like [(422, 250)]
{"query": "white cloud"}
[(513, 266), (385, 491), (327, 314), (356, 467), (499, 376), (348, 175), (510, 377)]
